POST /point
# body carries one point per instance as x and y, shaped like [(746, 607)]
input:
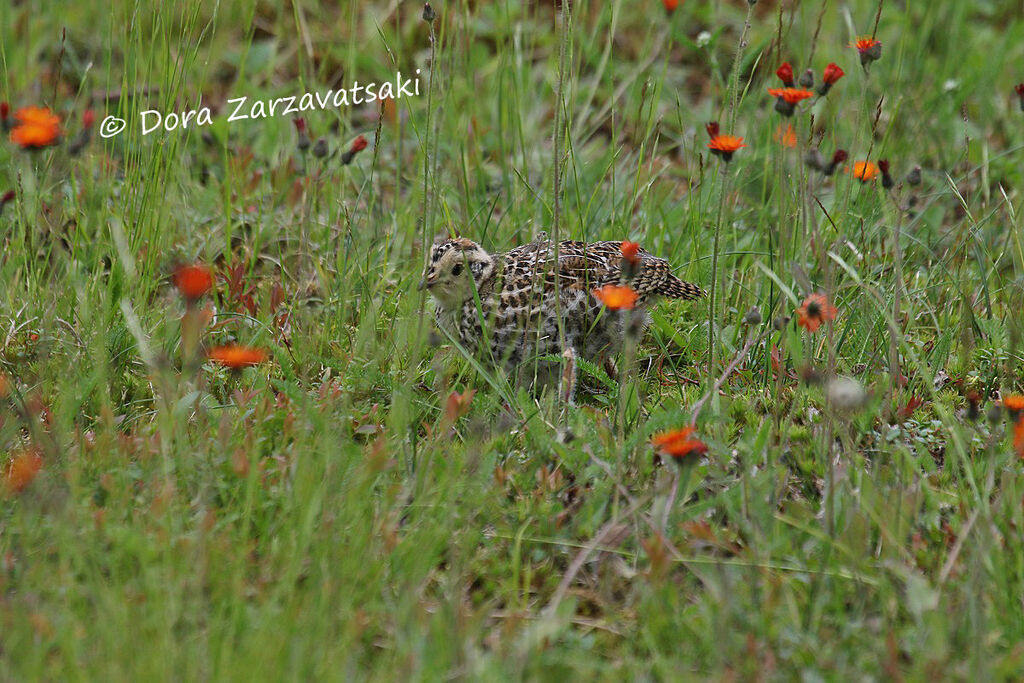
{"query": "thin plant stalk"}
[(714, 271)]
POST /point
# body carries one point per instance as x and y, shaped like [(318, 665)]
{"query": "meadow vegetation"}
[(234, 446)]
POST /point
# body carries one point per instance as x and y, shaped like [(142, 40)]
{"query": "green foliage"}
[(338, 512)]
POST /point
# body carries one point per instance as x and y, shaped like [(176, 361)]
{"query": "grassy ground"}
[(336, 512)]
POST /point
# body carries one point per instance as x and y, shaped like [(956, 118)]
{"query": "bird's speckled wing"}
[(588, 266)]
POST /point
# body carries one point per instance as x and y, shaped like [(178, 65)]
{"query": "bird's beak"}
[(426, 282)]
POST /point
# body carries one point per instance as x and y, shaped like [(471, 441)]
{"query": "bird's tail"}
[(675, 288)]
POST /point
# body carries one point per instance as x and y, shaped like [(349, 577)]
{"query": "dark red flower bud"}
[(807, 79), (785, 74), (887, 181), (304, 141), (5, 110), (837, 158), (8, 196), (832, 73), (1019, 90), (359, 144), (88, 118), (713, 129)]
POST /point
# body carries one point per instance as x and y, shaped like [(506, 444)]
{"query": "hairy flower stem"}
[(897, 332), (733, 97), (558, 142), (714, 271), (424, 235)]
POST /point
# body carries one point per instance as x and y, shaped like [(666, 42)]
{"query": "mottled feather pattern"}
[(522, 306)]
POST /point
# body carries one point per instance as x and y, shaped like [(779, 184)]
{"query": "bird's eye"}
[(457, 270)]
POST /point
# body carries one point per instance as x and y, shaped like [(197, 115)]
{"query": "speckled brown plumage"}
[(511, 307)]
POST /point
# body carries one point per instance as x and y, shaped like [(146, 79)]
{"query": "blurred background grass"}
[(322, 516)]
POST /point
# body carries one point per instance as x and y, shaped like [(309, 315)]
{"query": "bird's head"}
[(455, 267)]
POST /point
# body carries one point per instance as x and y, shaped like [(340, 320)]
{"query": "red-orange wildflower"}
[(1018, 436), (38, 127), (237, 357), (865, 171), (785, 136), (616, 297), (630, 251), (670, 5), (869, 49), (193, 281), (680, 444), (815, 310), (791, 95), (725, 145), (1014, 404), (21, 470)]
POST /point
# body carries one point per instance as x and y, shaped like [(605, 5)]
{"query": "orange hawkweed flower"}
[(791, 95), (616, 297), (193, 281), (237, 357), (786, 99), (1014, 404), (815, 310), (725, 145), (38, 127), (21, 470), (865, 171), (786, 136), (630, 251), (679, 444), (664, 438), (670, 5), (869, 49)]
